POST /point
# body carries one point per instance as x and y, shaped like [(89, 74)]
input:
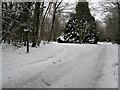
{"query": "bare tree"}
[(43, 20), (36, 23), (12, 16), (55, 7)]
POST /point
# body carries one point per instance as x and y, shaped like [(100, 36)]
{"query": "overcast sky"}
[(97, 12), (92, 4)]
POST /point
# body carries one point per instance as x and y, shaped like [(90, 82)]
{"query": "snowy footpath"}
[(61, 66)]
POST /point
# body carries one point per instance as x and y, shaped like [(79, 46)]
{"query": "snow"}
[(61, 66), (0, 66), (111, 69), (61, 38)]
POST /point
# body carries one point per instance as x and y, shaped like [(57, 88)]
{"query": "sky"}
[(92, 4), (98, 11)]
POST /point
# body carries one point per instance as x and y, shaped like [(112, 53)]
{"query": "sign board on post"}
[(26, 30)]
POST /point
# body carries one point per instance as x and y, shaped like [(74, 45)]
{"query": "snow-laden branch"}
[(10, 18), (7, 11), (5, 21)]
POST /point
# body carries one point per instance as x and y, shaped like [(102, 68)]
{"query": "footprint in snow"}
[(54, 62), (9, 79), (50, 57), (116, 64), (59, 60)]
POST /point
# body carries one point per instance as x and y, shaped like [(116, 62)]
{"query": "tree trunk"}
[(36, 23), (53, 20), (40, 26), (27, 34), (43, 19)]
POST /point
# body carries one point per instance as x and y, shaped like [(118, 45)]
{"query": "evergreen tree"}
[(81, 28)]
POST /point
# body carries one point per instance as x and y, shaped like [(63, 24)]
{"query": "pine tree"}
[(81, 28)]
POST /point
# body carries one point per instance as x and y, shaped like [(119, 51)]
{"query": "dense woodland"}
[(33, 22)]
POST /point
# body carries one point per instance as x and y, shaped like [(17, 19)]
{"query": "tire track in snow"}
[(101, 62), (70, 68), (109, 77), (90, 75)]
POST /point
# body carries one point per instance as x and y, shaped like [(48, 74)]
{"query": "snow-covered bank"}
[(61, 65), (110, 71), (0, 66)]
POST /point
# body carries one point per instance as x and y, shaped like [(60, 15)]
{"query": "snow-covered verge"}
[(119, 67), (110, 71), (0, 66), (61, 66)]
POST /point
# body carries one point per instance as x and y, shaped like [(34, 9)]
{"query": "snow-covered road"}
[(61, 66)]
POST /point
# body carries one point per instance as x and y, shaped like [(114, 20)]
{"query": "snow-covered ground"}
[(61, 66), (0, 66)]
